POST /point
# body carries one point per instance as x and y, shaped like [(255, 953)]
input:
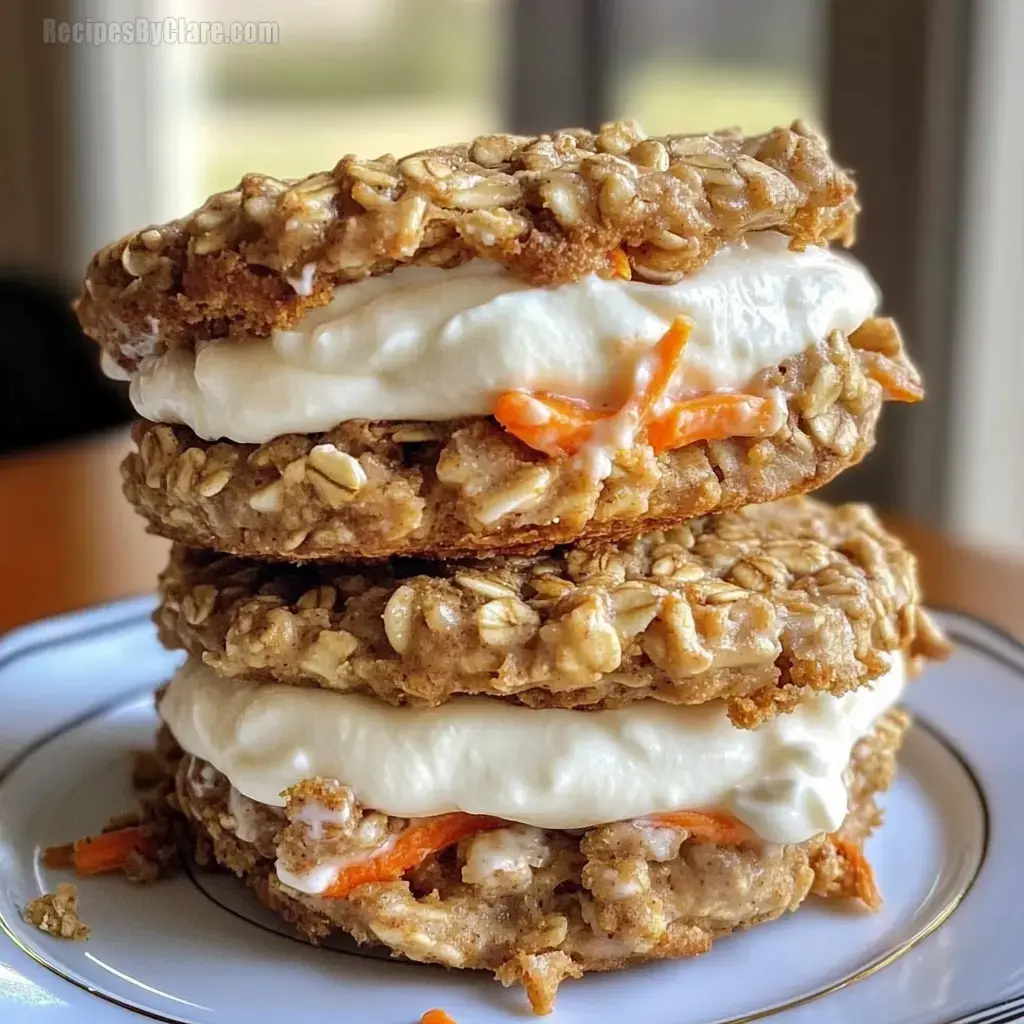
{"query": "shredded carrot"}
[(547, 423), (707, 826), (432, 835), (410, 849), (862, 878), (668, 353), (899, 383), (561, 426), (59, 856), (620, 264), (95, 855), (436, 1017), (710, 418)]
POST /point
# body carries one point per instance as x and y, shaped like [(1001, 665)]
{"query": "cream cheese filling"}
[(433, 344), (553, 769)]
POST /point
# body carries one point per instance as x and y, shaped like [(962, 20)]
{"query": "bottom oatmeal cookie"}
[(533, 906)]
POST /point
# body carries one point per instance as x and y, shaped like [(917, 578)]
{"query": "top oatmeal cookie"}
[(549, 207)]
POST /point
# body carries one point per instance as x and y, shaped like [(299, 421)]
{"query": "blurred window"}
[(375, 76), (360, 76), (692, 66)]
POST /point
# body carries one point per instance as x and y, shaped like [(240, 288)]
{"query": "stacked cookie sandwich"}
[(512, 643)]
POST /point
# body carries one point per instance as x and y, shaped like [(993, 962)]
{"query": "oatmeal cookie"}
[(370, 490), (550, 207), (604, 899), (760, 607)]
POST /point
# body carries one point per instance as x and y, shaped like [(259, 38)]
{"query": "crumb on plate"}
[(56, 913)]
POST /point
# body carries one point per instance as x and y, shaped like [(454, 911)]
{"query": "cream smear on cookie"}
[(550, 768), (424, 343)]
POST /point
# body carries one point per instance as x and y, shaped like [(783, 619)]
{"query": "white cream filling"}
[(432, 344), (243, 810), (554, 769), (505, 856), (318, 878)]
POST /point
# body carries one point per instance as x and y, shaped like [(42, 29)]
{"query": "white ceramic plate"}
[(947, 946)]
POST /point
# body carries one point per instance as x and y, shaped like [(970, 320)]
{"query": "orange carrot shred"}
[(668, 353), (59, 856), (410, 849), (899, 393), (707, 826), (710, 418), (95, 855), (898, 383), (620, 264), (436, 1017), (862, 880), (559, 426), (547, 423)]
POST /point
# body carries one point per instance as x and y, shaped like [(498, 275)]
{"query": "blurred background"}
[(921, 97)]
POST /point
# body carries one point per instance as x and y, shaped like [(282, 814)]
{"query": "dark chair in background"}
[(51, 388)]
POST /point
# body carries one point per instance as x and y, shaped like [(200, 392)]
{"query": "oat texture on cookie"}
[(760, 607)]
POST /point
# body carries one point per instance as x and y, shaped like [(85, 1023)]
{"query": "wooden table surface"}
[(69, 540)]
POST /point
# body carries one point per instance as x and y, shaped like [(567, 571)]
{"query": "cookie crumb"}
[(56, 913)]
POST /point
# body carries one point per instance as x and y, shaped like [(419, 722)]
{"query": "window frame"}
[(898, 102)]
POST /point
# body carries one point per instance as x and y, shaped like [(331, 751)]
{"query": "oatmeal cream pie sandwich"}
[(759, 608), (498, 346), (537, 843)]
